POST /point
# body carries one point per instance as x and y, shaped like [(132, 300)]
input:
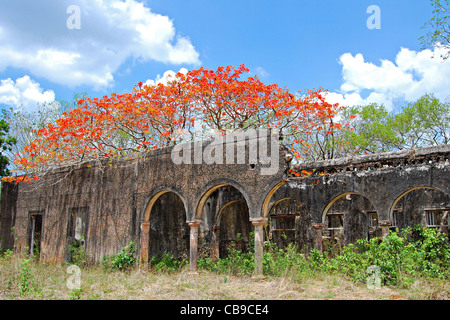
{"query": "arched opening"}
[(168, 231), (225, 221), (290, 220), (268, 201), (348, 217), (283, 218), (425, 206)]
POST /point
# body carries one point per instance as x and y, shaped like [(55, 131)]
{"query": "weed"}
[(26, 280), (75, 294), (77, 252), (166, 263), (122, 261)]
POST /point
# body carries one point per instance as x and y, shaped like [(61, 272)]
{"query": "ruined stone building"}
[(195, 208)]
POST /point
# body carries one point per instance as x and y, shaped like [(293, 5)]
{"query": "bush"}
[(397, 258), (6, 254), (121, 261), (76, 253), (281, 262), (237, 262), (27, 284), (166, 263)]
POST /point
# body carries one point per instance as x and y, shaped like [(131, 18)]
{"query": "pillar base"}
[(385, 225), (259, 223), (193, 244)]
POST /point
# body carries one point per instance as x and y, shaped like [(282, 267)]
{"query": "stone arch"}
[(233, 227), (437, 200), (158, 192), (328, 206), (206, 192), (277, 202), (223, 210), (353, 220), (164, 228), (266, 205)]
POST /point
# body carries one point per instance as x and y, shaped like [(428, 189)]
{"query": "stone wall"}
[(117, 197), (152, 201)]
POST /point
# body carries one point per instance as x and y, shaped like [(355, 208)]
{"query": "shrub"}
[(6, 254), (281, 262), (166, 263), (76, 253), (122, 261), (398, 257), (27, 284)]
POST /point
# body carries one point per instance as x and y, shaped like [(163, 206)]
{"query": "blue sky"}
[(46, 54)]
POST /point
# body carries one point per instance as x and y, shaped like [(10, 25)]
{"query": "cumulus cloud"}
[(168, 75), (412, 75), (34, 36), (23, 92)]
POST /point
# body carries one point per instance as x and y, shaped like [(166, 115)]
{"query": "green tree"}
[(22, 123), (6, 144), (438, 25), (373, 130), (425, 122)]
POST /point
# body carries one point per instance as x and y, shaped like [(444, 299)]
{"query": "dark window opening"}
[(76, 234), (35, 234), (437, 218)]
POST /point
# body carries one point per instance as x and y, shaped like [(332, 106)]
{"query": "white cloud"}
[(111, 32), (412, 75), (262, 72), (23, 92), (167, 76)]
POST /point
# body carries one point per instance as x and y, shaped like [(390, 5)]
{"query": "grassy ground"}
[(19, 280)]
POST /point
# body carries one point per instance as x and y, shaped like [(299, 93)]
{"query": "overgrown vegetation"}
[(415, 262), (77, 253), (400, 258), (122, 261)]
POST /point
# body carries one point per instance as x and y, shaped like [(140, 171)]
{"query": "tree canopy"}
[(438, 26), (425, 122), (6, 144), (188, 107), (200, 103)]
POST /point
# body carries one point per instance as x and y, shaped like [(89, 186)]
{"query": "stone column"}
[(145, 238), (385, 224), (215, 243), (193, 243), (318, 243), (259, 244)]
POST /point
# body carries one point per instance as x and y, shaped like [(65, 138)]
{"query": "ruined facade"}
[(197, 209)]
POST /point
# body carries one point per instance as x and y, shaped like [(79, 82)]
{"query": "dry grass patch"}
[(49, 281)]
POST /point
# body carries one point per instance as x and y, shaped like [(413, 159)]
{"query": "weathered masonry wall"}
[(360, 197), (116, 200), (194, 210)]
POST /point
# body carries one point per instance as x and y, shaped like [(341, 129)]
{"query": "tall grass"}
[(400, 258), (416, 261)]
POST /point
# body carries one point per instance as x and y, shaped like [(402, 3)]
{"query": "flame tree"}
[(184, 109)]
